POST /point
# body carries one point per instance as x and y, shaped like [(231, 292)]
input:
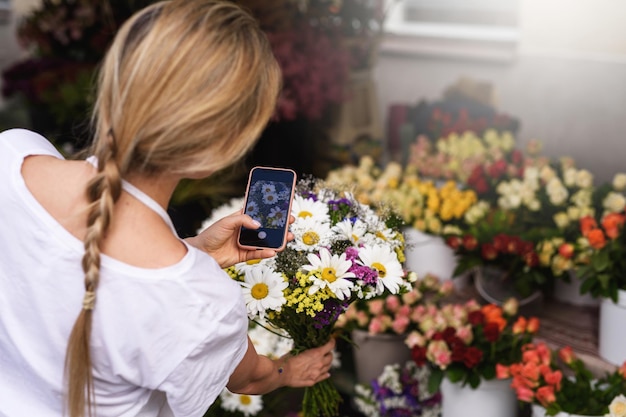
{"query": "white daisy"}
[(385, 261), (332, 272), (352, 232), (252, 208), (310, 235), (277, 216), (270, 198), (243, 267), (269, 340), (263, 290), (267, 188), (307, 207), (249, 405)]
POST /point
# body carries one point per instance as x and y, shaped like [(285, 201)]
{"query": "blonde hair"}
[(186, 88)]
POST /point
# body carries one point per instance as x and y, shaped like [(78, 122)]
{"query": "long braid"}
[(103, 191)]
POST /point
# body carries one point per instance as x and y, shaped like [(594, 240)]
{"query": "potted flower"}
[(463, 343), (401, 389), (605, 277), (342, 251), (379, 326), (558, 383)]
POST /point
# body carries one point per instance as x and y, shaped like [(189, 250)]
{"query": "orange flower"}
[(566, 250), (612, 223), (596, 238), (520, 325), (567, 355), (525, 394), (545, 395), (587, 223), (533, 325), (553, 378), (622, 370), (493, 314), (502, 371)]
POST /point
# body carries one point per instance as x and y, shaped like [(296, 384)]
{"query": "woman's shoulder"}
[(26, 142)]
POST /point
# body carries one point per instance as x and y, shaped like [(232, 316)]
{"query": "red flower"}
[(470, 242), (472, 356), (566, 250), (476, 317), (612, 224), (501, 242), (488, 251), (454, 242), (492, 331), (418, 354)]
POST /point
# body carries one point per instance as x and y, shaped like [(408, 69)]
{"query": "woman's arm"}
[(258, 374)]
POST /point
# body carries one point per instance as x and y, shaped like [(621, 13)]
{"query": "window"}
[(485, 29)]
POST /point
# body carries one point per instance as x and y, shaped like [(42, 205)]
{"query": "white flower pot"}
[(539, 411), (612, 331), (494, 398), (373, 351), (428, 254), (569, 292)]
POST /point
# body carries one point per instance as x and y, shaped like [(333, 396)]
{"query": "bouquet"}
[(465, 342), (343, 251), (401, 390), (540, 378), (394, 313)]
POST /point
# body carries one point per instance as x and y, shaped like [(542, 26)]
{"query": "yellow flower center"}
[(382, 271), (380, 235), (304, 214), (329, 274), (253, 261), (310, 238), (355, 238), (259, 291), (245, 399)]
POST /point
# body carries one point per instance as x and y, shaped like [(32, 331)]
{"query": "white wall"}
[(566, 84)]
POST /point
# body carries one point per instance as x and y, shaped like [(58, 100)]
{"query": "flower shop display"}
[(427, 209), (559, 383), (379, 326), (343, 251), (401, 389), (463, 343)]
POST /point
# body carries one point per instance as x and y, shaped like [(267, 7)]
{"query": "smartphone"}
[(268, 200)]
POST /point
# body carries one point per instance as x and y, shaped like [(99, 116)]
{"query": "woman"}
[(185, 89)]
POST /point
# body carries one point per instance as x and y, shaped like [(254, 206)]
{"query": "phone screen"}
[(268, 201)]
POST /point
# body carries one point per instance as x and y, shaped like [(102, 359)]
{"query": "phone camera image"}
[(268, 201)]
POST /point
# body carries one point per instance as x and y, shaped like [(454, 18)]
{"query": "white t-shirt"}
[(164, 341)]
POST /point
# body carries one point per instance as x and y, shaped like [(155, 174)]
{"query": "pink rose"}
[(400, 324), (393, 303), (376, 326), (439, 353), (415, 339), (465, 334), (376, 306)]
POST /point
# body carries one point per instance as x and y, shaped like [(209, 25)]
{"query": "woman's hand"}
[(220, 240), (308, 367)]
